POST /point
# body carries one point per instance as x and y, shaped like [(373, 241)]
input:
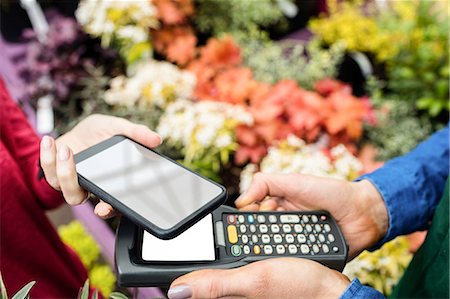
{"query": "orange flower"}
[(182, 49), (221, 53), (348, 115), (174, 12), (175, 42), (234, 85)]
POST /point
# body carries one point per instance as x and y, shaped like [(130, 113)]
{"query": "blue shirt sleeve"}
[(412, 185), (357, 291)]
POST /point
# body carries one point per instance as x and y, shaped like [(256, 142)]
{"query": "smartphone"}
[(157, 193)]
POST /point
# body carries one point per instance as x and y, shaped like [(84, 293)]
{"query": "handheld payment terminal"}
[(227, 238)]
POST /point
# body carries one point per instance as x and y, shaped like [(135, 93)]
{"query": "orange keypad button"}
[(232, 234)]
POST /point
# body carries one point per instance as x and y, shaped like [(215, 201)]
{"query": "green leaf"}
[(117, 295), (442, 88), (95, 294), (435, 108), (3, 288), (24, 292), (85, 290), (424, 103)]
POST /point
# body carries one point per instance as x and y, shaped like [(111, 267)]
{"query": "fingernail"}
[(239, 199), (160, 139), (181, 291), (46, 142), (63, 152), (102, 211)]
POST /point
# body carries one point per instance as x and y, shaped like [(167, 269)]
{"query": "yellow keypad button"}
[(232, 234), (256, 249)]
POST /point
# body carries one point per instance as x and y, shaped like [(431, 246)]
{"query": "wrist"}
[(374, 209), (334, 285)]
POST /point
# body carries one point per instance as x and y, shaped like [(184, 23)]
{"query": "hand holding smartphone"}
[(159, 194)]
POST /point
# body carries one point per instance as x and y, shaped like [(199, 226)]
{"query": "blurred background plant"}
[(383, 268), (419, 71), (306, 63), (216, 17), (408, 45), (347, 22), (100, 274), (62, 67), (123, 25)]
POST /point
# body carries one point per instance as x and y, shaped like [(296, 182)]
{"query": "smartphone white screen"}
[(155, 188), (195, 244)]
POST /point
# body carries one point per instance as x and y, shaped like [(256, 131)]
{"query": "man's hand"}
[(57, 155), (272, 278), (357, 207)]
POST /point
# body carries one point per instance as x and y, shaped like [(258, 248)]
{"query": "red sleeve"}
[(23, 144)]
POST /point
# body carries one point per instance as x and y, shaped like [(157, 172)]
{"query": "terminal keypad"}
[(280, 234)]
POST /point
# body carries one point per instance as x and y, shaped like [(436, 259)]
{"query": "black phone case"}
[(164, 234), (132, 271)]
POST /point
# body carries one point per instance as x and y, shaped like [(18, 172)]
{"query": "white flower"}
[(223, 140), (121, 93), (132, 33), (128, 21), (293, 155), (152, 83), (200, 126)]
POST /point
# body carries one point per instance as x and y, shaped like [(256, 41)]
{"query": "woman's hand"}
[(357, 207), (272, 278), (57, 155)]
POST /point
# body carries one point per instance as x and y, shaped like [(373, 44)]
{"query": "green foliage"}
[(231, 16), (23, 293), (84, 294), (100, 274), (420, 70), (117, 295), (274, 61), (3, 288), (400, 129)]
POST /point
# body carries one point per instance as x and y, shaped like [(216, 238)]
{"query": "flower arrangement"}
[(124, 25), (205, 132), (100, 274), (153, 83), (383, 268), (293, 155), (278, 110)]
